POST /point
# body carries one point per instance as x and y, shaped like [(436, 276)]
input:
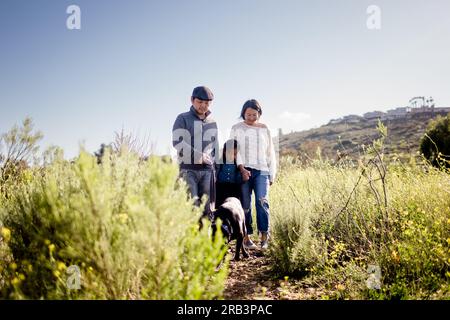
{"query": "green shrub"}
[(435, 144), (126, 224)]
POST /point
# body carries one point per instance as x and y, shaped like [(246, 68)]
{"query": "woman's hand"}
[(245, 173)]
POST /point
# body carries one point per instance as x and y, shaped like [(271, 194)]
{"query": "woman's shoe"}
[(264, 240), (264, 245)]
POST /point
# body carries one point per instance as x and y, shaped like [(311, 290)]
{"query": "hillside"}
[(348, 137)]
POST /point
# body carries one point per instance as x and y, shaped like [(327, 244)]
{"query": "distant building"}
[(422, 109), (417, 105), (374, 115), (353, 118), (442, 110), (336, 121), (398, 112)]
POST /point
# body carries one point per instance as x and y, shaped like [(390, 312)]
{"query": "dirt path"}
[(248, 278), (251, 279)]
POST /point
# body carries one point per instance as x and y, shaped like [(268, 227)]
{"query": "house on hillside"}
[(422, 109), (442, 110), (374, 115), (398, 113), (353, 118), (336, 121)]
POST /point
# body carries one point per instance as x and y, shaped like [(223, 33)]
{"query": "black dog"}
[(233, 224)]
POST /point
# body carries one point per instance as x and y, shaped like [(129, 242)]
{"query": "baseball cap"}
[(202, 93)]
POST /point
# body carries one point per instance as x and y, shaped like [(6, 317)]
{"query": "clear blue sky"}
[(134, 63)]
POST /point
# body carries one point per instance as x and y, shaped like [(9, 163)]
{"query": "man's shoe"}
[(250, 245)]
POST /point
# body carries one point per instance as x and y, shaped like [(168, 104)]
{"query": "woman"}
[(257, 163)]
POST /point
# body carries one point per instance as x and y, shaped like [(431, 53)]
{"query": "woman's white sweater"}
[(256, 148)]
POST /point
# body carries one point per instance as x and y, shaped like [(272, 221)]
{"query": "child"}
[(229, 178)]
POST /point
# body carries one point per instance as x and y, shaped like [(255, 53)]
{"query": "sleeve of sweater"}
[(272, 159)]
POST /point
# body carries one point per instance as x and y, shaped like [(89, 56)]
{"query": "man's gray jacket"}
[(192, 136)]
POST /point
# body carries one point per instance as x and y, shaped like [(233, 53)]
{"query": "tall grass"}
[(330, 222), (125, 223)]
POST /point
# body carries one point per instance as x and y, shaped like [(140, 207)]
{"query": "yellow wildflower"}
[(340, 287), (395, 256), (6, 234), (123, 217), (61, 265)]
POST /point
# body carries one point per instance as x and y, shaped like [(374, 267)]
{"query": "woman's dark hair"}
[(252, 104), (229, 143)]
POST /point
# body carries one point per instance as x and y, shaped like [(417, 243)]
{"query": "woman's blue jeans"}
[(259, 183)]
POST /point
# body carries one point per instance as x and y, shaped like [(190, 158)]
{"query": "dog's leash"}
[(212, 194)]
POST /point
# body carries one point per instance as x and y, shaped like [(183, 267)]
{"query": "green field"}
[(362, 229)]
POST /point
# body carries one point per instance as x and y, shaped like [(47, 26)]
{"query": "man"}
[(194, 136)]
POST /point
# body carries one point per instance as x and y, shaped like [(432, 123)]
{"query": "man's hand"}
[(207, 159)]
